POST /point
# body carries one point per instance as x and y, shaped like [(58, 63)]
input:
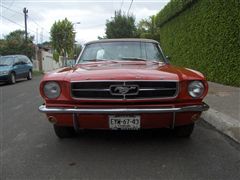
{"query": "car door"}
[(25, 66), (29, 65), (18, 67)]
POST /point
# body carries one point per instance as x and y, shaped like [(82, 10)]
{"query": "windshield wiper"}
[(96, 60), (140, 59), (133, 59), (4, 65)]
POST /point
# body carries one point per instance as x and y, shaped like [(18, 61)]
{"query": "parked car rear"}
[(13, 67)]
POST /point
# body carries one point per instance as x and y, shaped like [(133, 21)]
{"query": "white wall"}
[(48, 63), (35, 65)]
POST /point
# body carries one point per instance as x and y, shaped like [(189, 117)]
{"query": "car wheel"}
[(64, 132), (184, 131), (29, 76), (12, 78)]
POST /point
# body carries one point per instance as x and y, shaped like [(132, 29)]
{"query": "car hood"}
[(114, 70), (5, 68)]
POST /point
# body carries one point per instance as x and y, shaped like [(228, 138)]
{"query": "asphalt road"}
[(30, 149)]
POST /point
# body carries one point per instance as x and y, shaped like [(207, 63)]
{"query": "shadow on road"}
[(128, 137), (7, 84)]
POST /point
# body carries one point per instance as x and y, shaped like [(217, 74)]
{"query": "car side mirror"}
[(168, 58), (75, 57)]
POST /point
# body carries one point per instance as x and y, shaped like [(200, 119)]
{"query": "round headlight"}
[(51, 90), (196, 89)]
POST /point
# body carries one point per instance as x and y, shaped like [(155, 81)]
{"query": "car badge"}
[(123, 90)]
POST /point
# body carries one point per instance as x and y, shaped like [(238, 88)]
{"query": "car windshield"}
[(124, 51), (6, 61)]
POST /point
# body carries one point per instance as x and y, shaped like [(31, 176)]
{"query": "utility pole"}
[(129, 8), (37, 36), (25, 11), (41, 36)]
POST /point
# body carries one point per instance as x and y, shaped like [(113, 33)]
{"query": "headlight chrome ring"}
[(52, 90), (196, 89)]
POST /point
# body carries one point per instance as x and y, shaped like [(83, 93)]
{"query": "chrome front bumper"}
[(192, 108)]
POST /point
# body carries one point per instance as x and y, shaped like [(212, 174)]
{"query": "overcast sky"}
[(92, 14)]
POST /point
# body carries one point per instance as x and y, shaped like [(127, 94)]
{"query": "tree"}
[(147, 28), (15, 43), (18, 36), (78, 49), (46, 44), (2, 46), (62, 38), (121, 26)]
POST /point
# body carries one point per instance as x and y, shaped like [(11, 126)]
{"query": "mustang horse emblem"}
[(124, 89)]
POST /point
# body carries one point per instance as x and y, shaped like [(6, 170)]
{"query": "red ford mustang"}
[(123, 84)]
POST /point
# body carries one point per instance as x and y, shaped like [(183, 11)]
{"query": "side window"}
[(152, 52), (24, 60), (28, 60), (17, 61), (9, 60)]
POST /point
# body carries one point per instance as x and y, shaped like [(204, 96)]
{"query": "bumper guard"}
[(192, 108), (76, 111)]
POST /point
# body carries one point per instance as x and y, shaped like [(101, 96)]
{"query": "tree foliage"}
[(15, 43), (77, 49), (46, 44), (62, 37), (173, 9), (121, 26), (147, 28)]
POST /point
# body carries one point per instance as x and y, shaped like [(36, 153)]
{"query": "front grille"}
[(124, 89)]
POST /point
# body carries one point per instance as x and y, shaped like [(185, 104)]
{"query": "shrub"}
[(205, 37)]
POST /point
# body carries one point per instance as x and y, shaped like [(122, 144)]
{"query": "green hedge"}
[(172, 9), (205, 37)]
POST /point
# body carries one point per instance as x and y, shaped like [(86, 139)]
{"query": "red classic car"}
[(123, 84)]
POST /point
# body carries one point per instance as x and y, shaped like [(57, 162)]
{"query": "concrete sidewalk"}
[(224, 112)]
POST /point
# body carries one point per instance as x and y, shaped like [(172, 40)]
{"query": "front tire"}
[(29, 76), (184, 131), (64, 131), (12, 78)]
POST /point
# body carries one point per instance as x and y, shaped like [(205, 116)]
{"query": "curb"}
[(224, 123)]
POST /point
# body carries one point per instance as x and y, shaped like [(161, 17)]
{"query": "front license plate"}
[(124, 122)]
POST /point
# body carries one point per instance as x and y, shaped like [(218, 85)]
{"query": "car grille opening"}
[(124, 89)]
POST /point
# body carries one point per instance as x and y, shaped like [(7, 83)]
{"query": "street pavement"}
[(30, 149), (224, 112)]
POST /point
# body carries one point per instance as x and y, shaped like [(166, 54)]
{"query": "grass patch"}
[(37, 73)]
